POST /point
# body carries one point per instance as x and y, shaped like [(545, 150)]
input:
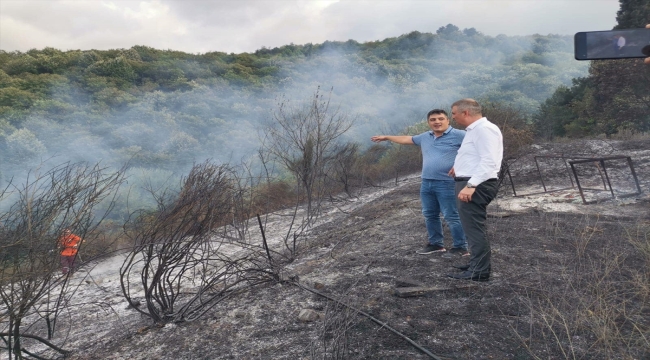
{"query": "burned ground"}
[(562, 272)]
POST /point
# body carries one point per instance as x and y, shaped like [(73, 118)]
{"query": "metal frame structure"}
[(580, 159), (607, 185), (541, 178)]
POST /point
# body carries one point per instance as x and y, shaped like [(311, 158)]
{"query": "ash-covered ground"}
[(359, 252)]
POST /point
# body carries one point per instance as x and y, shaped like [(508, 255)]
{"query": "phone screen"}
[(615, 44)]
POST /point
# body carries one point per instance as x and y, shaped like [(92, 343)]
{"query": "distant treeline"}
[(163, 109)]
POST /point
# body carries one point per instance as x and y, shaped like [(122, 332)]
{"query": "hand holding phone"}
[(614, 44)]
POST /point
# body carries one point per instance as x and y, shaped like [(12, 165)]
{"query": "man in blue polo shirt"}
[(439, 148)]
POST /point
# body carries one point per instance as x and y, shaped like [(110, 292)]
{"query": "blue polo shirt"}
[(439, 153)]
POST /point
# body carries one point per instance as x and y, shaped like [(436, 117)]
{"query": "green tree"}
[(559, 115), (615, 95), (622, 94), (5, 80), (633, 14), (21, 64), (23, 147), (118, 68), (449, 29), (16, 98), (182, 147)]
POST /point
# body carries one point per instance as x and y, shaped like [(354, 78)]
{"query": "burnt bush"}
[(69, 196), (177, 264)]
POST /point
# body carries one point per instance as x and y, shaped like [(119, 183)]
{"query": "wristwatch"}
[(470, 186)]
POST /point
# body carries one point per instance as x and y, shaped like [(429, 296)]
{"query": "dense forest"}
[(161, 110), (613, 98)]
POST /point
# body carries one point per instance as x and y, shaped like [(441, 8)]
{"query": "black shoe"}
[(430, 249), (459, 251), (461, 267), (470, 275)]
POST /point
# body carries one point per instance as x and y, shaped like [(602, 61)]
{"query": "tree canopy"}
[(615, 96), (162, 109)]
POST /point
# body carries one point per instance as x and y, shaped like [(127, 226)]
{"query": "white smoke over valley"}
[(213, 106)]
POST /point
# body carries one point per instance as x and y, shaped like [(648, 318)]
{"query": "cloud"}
[(247, 25), (87, 24)]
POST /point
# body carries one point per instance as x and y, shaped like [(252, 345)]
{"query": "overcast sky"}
[(200, 26)]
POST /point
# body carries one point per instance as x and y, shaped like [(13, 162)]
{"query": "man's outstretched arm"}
[(398, 139)]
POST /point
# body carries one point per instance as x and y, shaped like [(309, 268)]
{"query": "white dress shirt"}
[(481, 152)]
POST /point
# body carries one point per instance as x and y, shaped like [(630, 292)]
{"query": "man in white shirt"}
[(475, 170), (618, 42)]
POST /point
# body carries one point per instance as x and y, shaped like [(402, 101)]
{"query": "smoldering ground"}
[(567, 280)]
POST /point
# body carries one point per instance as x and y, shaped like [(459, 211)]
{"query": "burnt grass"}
[(360, 259), (549, 272)]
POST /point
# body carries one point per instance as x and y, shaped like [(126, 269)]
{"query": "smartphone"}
[(614, 44)]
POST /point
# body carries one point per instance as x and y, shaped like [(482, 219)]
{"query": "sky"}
[(200, 26)]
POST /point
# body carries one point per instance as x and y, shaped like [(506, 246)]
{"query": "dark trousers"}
[(67, 263), (473, 216)]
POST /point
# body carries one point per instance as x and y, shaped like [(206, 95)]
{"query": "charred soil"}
[(559, 280)]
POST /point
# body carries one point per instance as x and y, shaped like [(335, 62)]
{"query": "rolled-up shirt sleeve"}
[(417, 139)]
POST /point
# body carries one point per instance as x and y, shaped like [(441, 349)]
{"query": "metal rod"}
[(592, 159), (266, 247), (627, 195), (567, 171), (373, 319), (575, 174), (600, 171), (636, 180), (602, 163), (512, 183), (540, 174), (571, 162), (546, 192), (605, 175)]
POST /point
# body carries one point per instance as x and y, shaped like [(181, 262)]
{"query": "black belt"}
[(467, 179)]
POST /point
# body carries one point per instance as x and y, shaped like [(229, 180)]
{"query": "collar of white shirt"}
[(476, 123)]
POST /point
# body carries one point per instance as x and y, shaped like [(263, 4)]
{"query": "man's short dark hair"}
[(436, 112)]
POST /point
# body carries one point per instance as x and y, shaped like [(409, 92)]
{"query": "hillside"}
[(568, 280), (164, 109)]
